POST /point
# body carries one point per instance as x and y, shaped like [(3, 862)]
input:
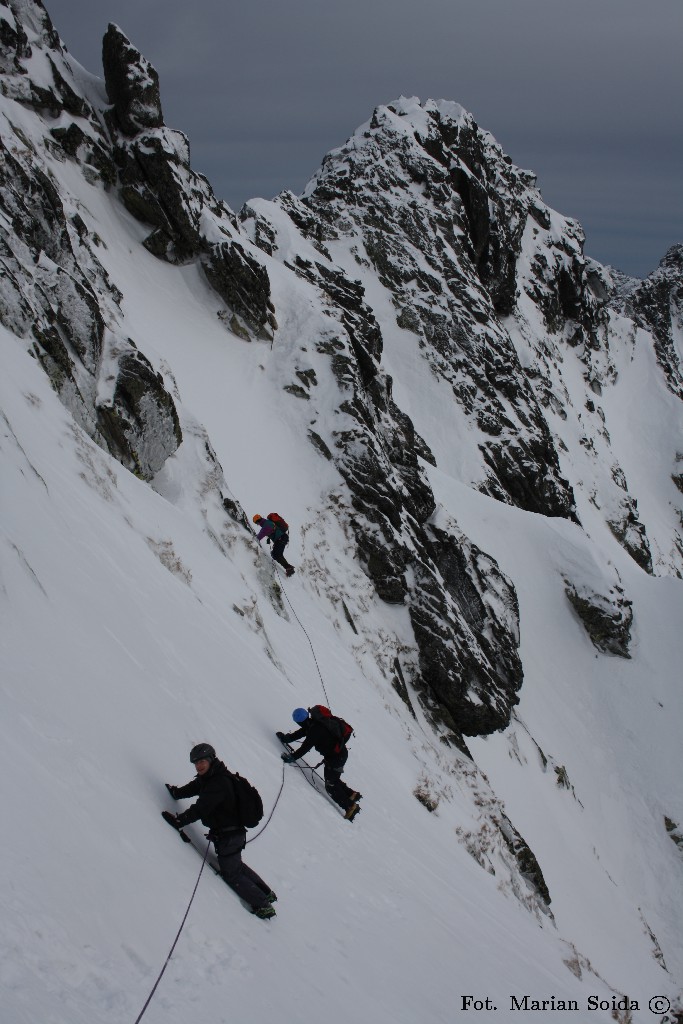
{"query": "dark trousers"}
[(239, 876), (338, 790), (278, 551)]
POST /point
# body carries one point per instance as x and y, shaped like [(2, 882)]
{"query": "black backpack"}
[(340, 730), (248, 799)]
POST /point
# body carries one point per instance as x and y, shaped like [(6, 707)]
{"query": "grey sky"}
[(586, 93)]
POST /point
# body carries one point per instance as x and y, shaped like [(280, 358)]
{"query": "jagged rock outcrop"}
[(496, 291), (465, 616), (427, 199), (140, 421), (460, 240), (658, 303), (54, 290), (499, 848), (675, 833), (159, 187), (466, 642), (607, 619), (132, 84)]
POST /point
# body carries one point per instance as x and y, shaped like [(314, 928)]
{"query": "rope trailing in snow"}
[(312, 769), (175, 941), (322, 681), (271, 813)]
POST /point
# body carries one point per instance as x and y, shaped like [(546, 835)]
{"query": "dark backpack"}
[(337, 727), (280, 525), (248, 799)]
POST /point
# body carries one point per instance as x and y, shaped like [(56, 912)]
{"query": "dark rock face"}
[(430, 204), (675, 833), (150, 169), (529, 867), (141, 422), (477, 269), (658, 303), (500, 849), (630, 533), (132, 84), (243, 285), (439, 212), (159, 188), (607, 619), (466, 639), (15, 48), (55, 291), (67, 303), (466, 620)]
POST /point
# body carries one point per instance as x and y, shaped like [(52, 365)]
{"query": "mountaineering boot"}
[(290, 571), (271, 897), (263, 912), (355, 797), (352, 811)]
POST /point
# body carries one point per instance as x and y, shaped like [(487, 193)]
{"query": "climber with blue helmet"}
[(328, 733)]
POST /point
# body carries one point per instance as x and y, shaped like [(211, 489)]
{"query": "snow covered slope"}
[(510, 668)]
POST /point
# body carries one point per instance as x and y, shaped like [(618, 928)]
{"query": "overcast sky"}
[(586, 93)]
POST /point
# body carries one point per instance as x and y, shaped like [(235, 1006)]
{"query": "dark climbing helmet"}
[(299, 715), (202, 752)]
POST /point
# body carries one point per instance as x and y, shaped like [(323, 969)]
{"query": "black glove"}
[(173, 790), (288, 758), (172, 819), (281, 736)]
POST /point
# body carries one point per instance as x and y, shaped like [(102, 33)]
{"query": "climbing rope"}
[(302, 768), (322, 681), (311, 768), (264, 827), (175, 941)]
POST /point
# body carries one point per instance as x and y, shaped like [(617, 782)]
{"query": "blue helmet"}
[(299, 715)]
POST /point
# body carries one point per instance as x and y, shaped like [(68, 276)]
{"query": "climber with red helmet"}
[(276, 530)]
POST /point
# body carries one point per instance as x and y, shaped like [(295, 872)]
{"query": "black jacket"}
[(216, 807), (317, 735)]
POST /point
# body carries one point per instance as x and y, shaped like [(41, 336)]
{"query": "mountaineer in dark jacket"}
[(315, 733), (216, 807)]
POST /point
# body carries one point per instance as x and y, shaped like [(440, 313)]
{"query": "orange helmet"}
[(256, 518)]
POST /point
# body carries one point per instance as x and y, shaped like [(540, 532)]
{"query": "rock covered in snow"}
[(658, 302), (54, 290), (427, 199), (490, 284), (454, 254), (132, 84), (468, 667), (159, 187), (607, 619)]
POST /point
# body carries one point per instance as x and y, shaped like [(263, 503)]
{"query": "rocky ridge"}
[(495, 290), (657, 304), (490, 283), (469, 670), (491, 286)]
